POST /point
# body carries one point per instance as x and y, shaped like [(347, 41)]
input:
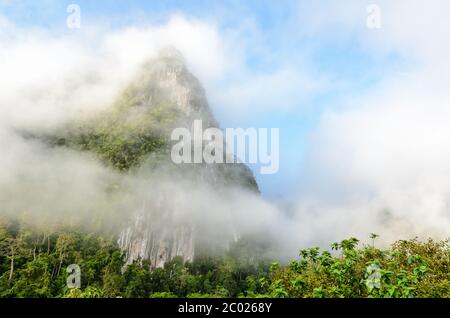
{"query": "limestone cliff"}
[(166, 84), (132, 137)]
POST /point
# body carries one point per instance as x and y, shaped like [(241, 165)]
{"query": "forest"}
[(33, 263)]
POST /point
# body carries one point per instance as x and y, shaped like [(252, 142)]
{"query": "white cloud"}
[(382, 163), (45, 77)]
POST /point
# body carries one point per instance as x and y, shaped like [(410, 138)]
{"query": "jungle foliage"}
[(33, 263)]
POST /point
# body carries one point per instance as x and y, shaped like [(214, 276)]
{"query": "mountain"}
[(132, 137)]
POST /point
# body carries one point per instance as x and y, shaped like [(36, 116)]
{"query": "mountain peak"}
[(171, 52)]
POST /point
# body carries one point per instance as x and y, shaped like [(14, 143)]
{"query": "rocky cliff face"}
[(165, 82), (132, 137), (154, 234), (156, 239)]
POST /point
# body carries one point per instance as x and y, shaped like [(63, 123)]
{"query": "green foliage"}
[(163, 295), (33, 264), (124, 136), (407, 269)]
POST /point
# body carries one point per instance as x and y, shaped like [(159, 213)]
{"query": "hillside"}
[(132, 139)]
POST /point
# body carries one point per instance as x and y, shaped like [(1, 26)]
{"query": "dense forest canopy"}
[(34, 261)]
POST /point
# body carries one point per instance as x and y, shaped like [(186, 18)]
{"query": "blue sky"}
[(363, 112), (277, 36)]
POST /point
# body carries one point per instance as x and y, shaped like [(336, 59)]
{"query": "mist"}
[(380, 164), (48, 82)]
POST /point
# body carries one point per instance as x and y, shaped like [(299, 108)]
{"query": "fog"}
[(48, 82), (378, 165)]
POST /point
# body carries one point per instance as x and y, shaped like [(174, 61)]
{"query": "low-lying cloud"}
[(379, 163)]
